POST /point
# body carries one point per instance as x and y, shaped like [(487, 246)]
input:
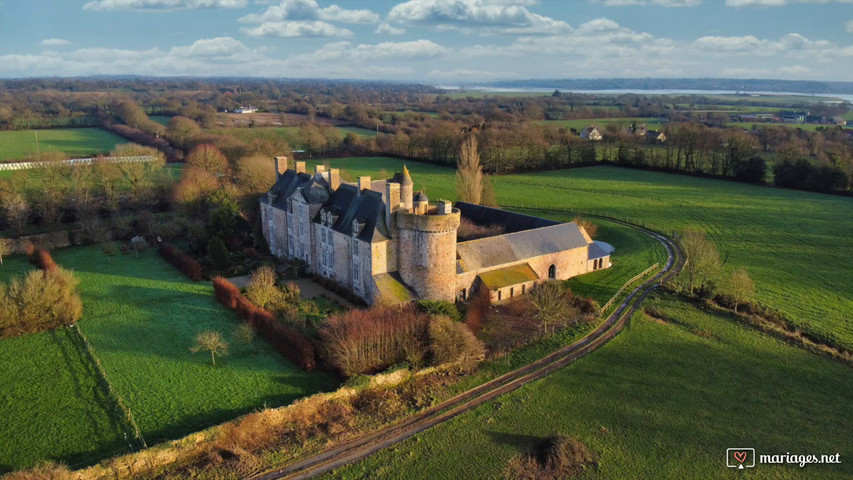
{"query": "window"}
[(523, 289), (552, 272), (511, 292), (463, 294), (499, 295)]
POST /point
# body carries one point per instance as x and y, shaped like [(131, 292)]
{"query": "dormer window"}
[(357, 227)]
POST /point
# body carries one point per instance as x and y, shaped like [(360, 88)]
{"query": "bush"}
[(183, 262), (453, 342), (439, 307), (368, 341), (41, 258), (558, 458), (42, 300), (288, 341), (478, 308), (217, 253), (590, 228)]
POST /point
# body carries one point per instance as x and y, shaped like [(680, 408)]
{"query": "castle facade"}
[(388, 245)]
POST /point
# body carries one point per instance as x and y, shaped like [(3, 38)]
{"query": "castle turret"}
[(406, 189), (420, 205), (427, 252)]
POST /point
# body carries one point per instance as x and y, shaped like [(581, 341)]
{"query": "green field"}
[(365, 132), (52, 405), (141, 316), (660, 401), (161, 119), (651, 123), (74, 142), (809, 127), (14, 266), (791, 242)]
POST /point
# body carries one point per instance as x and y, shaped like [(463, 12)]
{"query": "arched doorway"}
[(552, 272)]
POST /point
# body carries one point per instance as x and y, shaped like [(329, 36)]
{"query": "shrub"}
[(469, 230), (43, 471), (560, 457), (552, 304), (590, 228), (41, 258), (478, 308), (226, 292), (366, 341), (183, 262), (217, 253), (438, 307), (262, 290), (453, 342), (40, 301)]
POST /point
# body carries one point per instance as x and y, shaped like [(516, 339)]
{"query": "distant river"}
[(639, 91)]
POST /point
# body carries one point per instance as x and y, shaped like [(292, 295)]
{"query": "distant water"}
[(639, 91)]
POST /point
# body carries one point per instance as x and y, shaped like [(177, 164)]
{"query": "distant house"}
[(655, 136), (839, 121), (637, 130), (591, 133), (793, 117), (246, 110)]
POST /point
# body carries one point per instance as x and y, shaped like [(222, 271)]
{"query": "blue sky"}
[(432, 41)]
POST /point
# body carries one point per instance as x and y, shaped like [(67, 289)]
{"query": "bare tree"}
[(110, 249), (5, 248), (255, 174), (17, 210), (244, 334), (741, 287), (208, 157), (212, 342), (551, 303), (261, 289), (469, 173), (703, 259)]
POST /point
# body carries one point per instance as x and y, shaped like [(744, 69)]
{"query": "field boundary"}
[(111, 391), (629, 282), (76, 161)]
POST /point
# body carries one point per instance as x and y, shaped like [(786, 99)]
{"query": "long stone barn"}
[(388, 244)]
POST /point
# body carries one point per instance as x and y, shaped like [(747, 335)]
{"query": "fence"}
[(629, 282), (109, 386), (76, 161)]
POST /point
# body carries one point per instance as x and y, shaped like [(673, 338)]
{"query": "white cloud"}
[(298, 29), (161, 5), (214, 47), (468, 75), (848, 27), (384, 28), (776, 3), (482, 16), (662, 3), (414, 50), (309, 10), (54, 42)]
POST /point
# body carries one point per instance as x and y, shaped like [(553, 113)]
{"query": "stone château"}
[(387, 244)]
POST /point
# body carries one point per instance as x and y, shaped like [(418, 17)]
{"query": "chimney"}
[(392, 201), (363, 183), (334, 178), (319, 169), (444, 207), (280, 165), (300, 167)]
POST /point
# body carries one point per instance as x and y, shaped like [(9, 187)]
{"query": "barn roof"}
[(508, 276), (510, 221), (519, 246)]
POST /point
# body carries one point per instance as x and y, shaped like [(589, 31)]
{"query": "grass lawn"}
[(15, 266), (76, 142), (791, 242), (652, 123), (659, 401), (810, 127), (52, 405), (365, 132), (161, 119), (141, 316)]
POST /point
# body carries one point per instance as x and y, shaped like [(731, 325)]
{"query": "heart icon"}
[(740, 456)]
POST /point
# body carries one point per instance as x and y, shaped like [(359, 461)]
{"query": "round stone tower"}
[(427, 252)]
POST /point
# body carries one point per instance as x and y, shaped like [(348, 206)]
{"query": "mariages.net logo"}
[(741, 458)]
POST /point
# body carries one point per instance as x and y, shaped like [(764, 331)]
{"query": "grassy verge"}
[(17, 144), (662, 400), (141, 317)]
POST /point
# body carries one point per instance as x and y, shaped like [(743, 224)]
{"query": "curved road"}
[(368, 444)]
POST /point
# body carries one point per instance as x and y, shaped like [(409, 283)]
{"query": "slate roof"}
[(510, 221), (508, 276), (516, 247), (286, 184), (368, 207), (596, 251)]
